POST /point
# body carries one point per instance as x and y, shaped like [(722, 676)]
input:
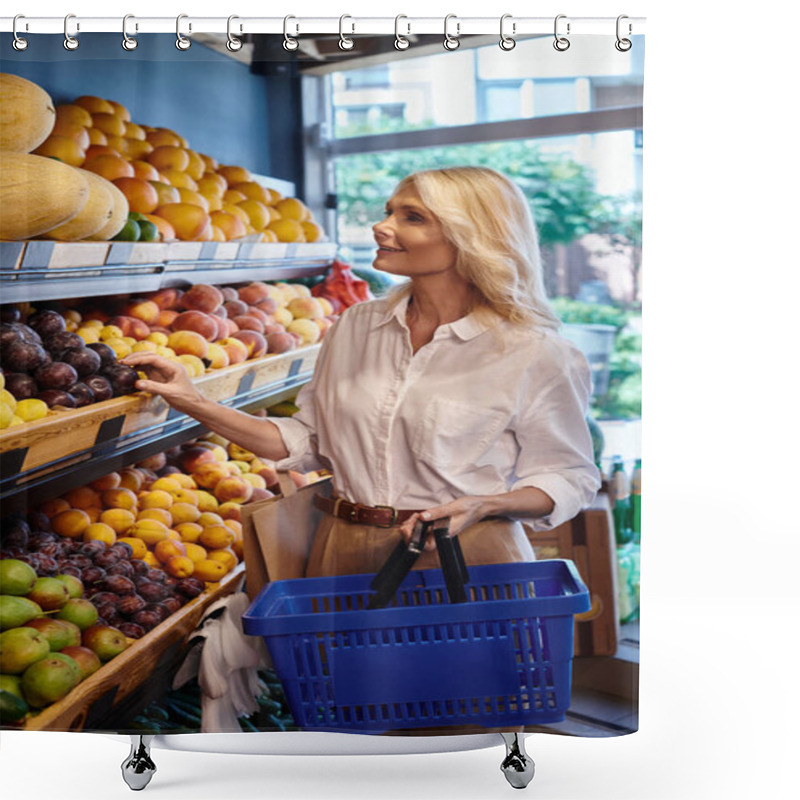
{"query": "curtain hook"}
[(345, 43), (19, 43), (128, 42), (561, 43), (451, 42), (507, 42), (400, 42), (623, 45), (70, 42), (288, 42), (233, 44), (182, 43)]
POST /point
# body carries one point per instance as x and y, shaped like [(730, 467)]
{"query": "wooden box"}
[(588, 540)]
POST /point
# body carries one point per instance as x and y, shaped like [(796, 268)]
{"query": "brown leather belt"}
[(379, 516)]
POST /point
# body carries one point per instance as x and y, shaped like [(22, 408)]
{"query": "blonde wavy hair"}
[(488, 220)]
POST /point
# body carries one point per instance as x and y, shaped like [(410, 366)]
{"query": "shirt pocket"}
[(455, 435)]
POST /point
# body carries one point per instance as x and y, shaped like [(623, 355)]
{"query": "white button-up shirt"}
[(482, 409)]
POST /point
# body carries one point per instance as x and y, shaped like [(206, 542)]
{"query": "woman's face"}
[(410, 239)]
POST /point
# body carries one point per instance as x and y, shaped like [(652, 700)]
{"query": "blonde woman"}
[(452, 397)]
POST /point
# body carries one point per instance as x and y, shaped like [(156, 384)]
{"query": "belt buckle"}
[(393, 520)]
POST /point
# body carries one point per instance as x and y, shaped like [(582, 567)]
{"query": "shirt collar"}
[(465, 328)]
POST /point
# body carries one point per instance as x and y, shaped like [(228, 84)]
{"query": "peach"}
[(253, 292), (188, 342), (218, 356), (130, 326), (202, 297), (209, 474), (327, 307), (229, 293), (261, 494), (110, 481), (235, 308), (306, 329), (145, 310), (166, 298), (165, 319), (194, 366), (230, 510), (225, 327), (155, 462), (196, 321), (274, 327), (255, 341), (266, 471), (255, 311), (192, 456), (280, 342), (236, 349), (167, 548), (233, 489), (283, 316), (269, 305), (216, 537), (130, 478), (299, 478), (249, 322), (324, 326), (256, 481), (305, 308)]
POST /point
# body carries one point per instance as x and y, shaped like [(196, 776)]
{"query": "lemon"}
[(31, 409), (6, 415)]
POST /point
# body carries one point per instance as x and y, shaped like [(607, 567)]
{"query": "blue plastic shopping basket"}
[(504, 658)]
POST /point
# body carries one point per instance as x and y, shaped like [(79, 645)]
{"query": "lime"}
[(137, 216), (149, 231), (130, 232)]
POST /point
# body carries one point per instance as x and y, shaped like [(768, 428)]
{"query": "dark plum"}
[(48, 566), (123, 548), (100, 386), (173, 603), (118, 584), (191, 587), (152, 592), (57, 397), (83, 360), (10, 313), (39, 521), (57, 375), (132, 630), (81, 558), (24, 356), (82, 394), (139, 567), (156, 575), (103, 598), (93, 575), (61, 341), (123, 567), (92, 548), (122, 378), (46, 323), (147, 618), (107, 558), (130, 604), (107, 356), (21, 385)]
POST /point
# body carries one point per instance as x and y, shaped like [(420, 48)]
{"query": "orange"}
[(180, 566), (189, 531), (312, 231), (196, 166), (232, 208), (166, 193), (94, 105), (226, 556), (232, 196), (109, 167), (96, 136), (216, 537), (161, 514), (189, 221), (167, 548), (110, 124), (287, 230), (234, 174), (138, 546), (211, 163), (74, 131), (168, 156), (192, 197), (120, 110), (211, 182), (119, 143), (195, 551), (141, 169), (229, 224), (99, 531), (134, 131), (165, 230), (110, 481), (177, 178), (119, 498), (293, 208), (157, 498), (184, 512), (142, 196), (161, 136), (257, 212), (274, 195), (150, 531), (120, 519), (75, 114), (136, 149), (94, 150), (71, 523), (64, 148), (83, 497), (254, 191), (209, 570)]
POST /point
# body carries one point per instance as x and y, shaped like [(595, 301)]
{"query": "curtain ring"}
[(233, 44), (19, 43), (400, 42), (451, 42), (345, 43), (507, 42), (128, 42), (561, 43), (182, 43), (288, 42), (70, 42), (623, 45)]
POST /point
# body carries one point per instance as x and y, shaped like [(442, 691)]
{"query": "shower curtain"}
[(213, 205)]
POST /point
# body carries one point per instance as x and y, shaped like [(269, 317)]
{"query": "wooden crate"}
[(588, 540), (104, 694)]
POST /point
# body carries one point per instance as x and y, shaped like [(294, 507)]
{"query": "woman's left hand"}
[(463, 512)]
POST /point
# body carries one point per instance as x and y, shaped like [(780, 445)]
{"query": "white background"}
[(719, 592)]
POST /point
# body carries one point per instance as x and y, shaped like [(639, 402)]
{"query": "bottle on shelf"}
[(636, 501), (620, 498)]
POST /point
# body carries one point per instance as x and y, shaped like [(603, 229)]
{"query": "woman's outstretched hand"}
[(463, 512), (165, 378)]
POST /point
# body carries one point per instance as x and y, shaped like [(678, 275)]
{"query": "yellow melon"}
[(27, 114), (119, 215), (97, 212), (38, 194)]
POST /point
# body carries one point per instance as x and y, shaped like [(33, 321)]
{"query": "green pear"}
[(50, 679), (74, 585), (58, 632), (21, 647), (50, 593), (16, 577), (16, 611)]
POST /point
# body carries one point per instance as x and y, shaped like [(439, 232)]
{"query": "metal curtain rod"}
[(300, 25)]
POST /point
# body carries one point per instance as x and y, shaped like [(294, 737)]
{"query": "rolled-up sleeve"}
[(555, 445)]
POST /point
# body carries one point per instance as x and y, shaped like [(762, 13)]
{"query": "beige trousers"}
[(347, 548)]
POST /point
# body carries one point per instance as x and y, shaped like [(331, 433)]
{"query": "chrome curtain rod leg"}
[(138, 768), (517, 766)]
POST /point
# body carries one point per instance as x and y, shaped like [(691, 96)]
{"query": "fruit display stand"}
[(121, 682)]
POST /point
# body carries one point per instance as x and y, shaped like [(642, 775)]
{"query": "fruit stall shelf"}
[(126, 684), (48, 270), (70, 447)]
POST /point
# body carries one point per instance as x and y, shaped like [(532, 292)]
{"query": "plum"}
[(61, 341), (46, 323), (118, 584), (22, 356), (83, 360), (21, 385), (132, 630), (123, 567), (10, 313), (57, 397), (57, 375), (107, 558), (122, 378), (100, 386), (130, 604), (152, 592), (107, 356), (123, 548), (82, 394), (92, 548)]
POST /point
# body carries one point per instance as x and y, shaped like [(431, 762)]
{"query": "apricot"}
[(141, 194), (189, 531), (305, 308), (110, 481), (229, 224), (208, 475), (137, 545), (216, 537), (151, 560), (211, 182), (195, 551), (194, 365), (192, 456), (256, 481), (225, 556), (70, 523), (233, 489), (179, 566), (209, 570), (145, 310), (99, 531), (184, 512), (207, 503), (230, 511), (189, 343), (167, 157), (185, 495), (120, 519), (161, 514), (197, 321), (119, 498), (150, 531), (83, 497), (166, 548), (234, 174), (189, 221)]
